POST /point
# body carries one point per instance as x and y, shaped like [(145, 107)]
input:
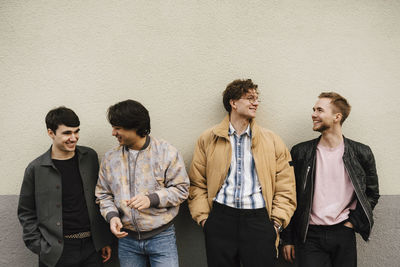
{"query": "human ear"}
[(338, 117), (50, 133), (233, 104)]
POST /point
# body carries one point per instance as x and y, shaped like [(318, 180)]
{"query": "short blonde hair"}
[(339, 102)]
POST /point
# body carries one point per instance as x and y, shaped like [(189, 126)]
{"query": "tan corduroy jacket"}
[(211, 161)]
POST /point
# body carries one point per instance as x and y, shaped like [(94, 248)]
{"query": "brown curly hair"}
[(235, 90)]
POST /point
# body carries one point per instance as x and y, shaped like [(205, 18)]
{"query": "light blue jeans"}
[(160, 249)]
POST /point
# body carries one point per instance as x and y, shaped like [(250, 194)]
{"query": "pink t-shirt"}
[(333, 191)]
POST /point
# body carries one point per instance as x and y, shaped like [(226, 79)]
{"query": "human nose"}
[(74, 137), (114, 132), (313, 115)]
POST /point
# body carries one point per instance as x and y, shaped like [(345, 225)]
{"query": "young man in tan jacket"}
[(242, 185)]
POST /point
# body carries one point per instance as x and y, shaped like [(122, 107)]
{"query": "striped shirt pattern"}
[(241, 188)]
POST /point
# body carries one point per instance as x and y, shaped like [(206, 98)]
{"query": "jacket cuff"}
[(154, 200), (286, 238), (34, 246), (111, 215), (358, 219)]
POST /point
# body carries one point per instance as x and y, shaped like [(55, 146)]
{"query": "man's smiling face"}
[(247, 105), (323, 115), (65, 138)]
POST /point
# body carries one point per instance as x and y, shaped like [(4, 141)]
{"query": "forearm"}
[(176, 185), (170, 196), (284, 201), (105, 200), (198, 193), (372, 184), (198, 203), (28, 219), (27, 212)]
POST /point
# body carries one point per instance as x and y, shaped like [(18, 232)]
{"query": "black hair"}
[(59, 116), (130, 114)]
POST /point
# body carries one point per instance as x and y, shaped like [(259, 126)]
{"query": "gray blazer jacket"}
[(40, 209)]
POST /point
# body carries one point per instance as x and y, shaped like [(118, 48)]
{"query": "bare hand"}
[(348, 224), (139, 202), (289, 253), (106, 253), (115, 227)]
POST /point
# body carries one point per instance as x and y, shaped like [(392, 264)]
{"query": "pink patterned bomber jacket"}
[(157, 171)]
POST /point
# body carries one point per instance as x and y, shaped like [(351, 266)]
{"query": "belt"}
[(79, 235), (239, 212)]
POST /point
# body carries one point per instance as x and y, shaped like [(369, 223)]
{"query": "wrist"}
[(111, 215), (278, 226), (113, 219)]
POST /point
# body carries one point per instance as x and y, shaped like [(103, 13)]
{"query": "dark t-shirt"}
[(74, 209)]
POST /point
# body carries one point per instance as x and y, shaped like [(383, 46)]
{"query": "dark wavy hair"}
[(235, 90), (59, 116), (130, 114)]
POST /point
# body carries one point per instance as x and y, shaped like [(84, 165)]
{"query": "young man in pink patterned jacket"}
[(140, 187)]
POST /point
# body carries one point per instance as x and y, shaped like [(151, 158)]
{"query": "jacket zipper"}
[(358, 197), (133, 187), (305, 179), (311, 200)]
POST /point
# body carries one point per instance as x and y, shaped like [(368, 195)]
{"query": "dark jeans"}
[(328, 246), (235, 236), (78, 253)]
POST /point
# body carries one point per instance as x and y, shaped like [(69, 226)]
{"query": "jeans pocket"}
[(348, 229)]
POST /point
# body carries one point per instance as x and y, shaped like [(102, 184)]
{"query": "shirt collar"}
[(233, 131)]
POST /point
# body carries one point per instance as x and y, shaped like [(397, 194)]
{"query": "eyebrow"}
[(251, 95), (69, 132)]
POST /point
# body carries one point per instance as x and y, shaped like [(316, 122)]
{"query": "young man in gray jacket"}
[(141, 184), (57, 210)]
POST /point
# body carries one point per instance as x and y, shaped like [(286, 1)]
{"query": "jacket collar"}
[(146, 144), (347, 149), (47, 161), (345, 141), (222, 130), (232, 130)]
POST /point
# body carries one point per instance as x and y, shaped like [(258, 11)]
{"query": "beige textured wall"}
[(176, 57)]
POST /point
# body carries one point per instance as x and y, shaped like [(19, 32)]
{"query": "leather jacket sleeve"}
[(361, 223), (372, 186)]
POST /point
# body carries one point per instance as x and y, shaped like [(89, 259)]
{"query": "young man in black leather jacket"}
[(337, 189)]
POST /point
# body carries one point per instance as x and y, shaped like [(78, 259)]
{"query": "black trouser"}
[(235, 236), (78, 253), (328, 246)]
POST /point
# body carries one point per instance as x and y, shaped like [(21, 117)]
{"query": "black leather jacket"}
[(360, 165)]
